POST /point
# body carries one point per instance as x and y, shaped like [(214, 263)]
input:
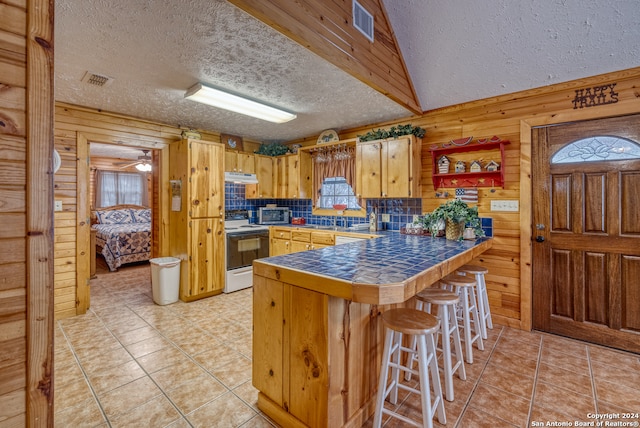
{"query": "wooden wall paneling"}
[(40, 225), (15, 383), (511, 117), (75, 127), (65, 248), (83, 227)]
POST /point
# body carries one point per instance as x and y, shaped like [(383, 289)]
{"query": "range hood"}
[(240, 178)]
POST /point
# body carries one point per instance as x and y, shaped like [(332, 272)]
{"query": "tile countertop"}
[(384, 270)]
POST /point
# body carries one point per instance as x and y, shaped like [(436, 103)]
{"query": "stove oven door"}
[(244, 247)]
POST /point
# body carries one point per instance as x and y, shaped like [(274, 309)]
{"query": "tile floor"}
[(129, 362)]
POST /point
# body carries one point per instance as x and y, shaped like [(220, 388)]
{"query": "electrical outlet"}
[(57, 206), (506, 205), (386, 218)]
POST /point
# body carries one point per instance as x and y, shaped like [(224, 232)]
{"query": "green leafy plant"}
[(393, 132), (430, 222), (273, 149), (458, 211)]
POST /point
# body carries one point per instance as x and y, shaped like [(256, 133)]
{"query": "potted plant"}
[(393, 132), (457, 214), (273, 149), (431, 223)]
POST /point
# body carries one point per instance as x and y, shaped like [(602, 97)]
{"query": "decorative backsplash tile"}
[(401, 211)]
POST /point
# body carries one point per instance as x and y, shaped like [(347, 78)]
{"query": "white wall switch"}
[(386, 218), (57, 206), (506, 205)]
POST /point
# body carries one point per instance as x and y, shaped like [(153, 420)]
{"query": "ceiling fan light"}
[(144, 167), (224, 100)]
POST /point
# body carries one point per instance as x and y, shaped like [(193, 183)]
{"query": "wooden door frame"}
[(526, 183), (83, 212)]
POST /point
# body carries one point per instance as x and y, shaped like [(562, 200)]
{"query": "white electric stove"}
[(245, 242)]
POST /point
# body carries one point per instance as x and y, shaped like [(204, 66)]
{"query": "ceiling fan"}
[(142, 164)]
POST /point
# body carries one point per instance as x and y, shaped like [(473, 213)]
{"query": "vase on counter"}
[(469, 233), (454, 230)]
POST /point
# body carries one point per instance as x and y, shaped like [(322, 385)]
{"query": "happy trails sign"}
[(595, 96)]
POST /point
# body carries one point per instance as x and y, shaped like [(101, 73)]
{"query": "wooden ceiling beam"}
[(325, 28)]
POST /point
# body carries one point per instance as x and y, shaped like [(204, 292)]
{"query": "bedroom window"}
[(116, 188)]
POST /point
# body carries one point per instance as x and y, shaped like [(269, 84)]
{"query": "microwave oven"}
[(273, 215)]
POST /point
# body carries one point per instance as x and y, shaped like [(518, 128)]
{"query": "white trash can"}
[(165, 279)]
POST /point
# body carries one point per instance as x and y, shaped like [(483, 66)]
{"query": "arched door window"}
[(598, 148)]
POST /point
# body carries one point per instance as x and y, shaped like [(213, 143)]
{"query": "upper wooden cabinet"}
[(265, 173), (199, 165), (239, 162), (388, 168), (293, 176)]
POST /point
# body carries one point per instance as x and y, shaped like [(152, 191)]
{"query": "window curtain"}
[(116, 188), (338, 162)]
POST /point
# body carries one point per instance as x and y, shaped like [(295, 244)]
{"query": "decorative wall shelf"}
[(468, 179)]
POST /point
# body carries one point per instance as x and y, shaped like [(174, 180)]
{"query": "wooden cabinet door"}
[(279, 247), (268, 338), (297, 246), (281, 177), (246, 163), (368, 170), (396, 168), (230, 161), (206, 257), (206, 176), (292, 166), (264, 170)]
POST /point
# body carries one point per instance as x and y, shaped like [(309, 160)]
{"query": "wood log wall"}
[(75, 127), (26, 213), (511, 117)]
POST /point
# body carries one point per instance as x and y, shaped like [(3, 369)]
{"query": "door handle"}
[(539, 238)]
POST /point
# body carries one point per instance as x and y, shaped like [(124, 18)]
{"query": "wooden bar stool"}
[(465, 286), (446, 302), (423, 325), (484, 310)]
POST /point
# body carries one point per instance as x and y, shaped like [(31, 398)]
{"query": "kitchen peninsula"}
[(318, 334)]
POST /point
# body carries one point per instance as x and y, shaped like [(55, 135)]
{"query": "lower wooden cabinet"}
[(308, 370), (205, 272), (285, 240)]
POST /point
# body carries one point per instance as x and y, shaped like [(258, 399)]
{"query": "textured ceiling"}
[(455, 51), (156, 50), (459, 50)]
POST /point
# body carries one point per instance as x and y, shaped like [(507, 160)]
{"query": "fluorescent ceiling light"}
[(217, 98), (144, 167)]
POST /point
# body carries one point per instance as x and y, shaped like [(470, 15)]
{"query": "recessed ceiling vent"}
[(96, 79), (362, 20)]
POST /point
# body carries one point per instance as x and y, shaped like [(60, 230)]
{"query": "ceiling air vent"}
[(362, 20), (96, 79)]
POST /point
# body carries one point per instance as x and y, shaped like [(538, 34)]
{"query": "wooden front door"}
[(586, 237)]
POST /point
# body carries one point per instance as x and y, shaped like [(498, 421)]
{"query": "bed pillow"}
[(141, 216), (114, 217)]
